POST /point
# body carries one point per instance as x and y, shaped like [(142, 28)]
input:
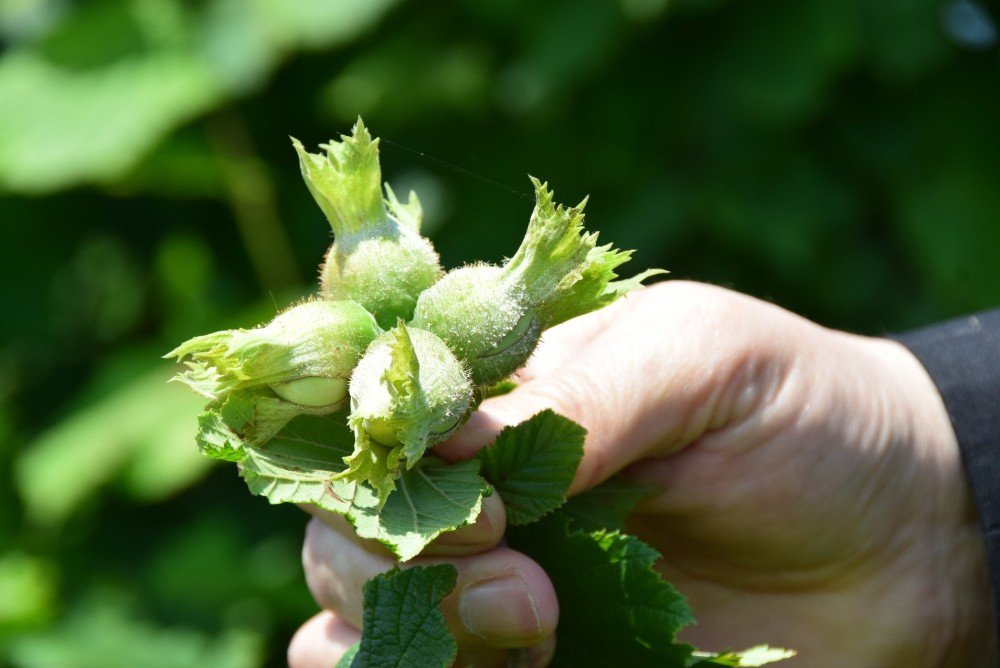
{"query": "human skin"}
[(810, 492)]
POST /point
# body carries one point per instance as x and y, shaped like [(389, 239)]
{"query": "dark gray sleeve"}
[(963, 358)]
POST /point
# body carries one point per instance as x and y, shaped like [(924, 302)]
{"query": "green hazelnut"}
[(408, 392), (378, 257), (305, 355)]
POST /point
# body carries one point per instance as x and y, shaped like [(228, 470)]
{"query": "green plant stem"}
[(251, 198)]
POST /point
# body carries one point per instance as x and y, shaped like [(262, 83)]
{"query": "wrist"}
[(958, 618)]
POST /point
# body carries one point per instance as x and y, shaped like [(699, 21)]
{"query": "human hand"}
[(811, 493)]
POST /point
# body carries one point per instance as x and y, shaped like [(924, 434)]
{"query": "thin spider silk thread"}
[(520, 194)]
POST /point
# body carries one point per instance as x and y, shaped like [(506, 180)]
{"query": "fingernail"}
[(500, 609)]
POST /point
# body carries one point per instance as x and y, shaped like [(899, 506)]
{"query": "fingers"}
[(502, 598), (580, 391), (483, 534), (337, 565), (321, 641), (580, 377), (325, 638), (564, 343), (669, 364)]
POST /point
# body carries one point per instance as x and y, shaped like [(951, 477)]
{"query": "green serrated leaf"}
[(431, 498), (606, 506), (403, 625), (301, 465), (755, 656), (298, 465), (372, 464), (218, 436), (615, 609), (496, 390), (533, 464), (555, 245), (246, 418), (593, 286), (409, 214), (346, 181)]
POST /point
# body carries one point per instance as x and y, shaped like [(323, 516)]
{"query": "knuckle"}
[(571, 391)]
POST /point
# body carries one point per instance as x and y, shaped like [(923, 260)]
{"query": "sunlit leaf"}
[(27, 591), (60, 128), (102, 632), (143, 429), (403, 624), (301, 463)]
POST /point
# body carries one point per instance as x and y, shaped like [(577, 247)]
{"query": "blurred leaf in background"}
[(27, 593), (139, 435), (836, 157), (109, 79), (104, 633)]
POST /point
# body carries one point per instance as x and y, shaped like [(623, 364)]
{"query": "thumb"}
[(684, 360), (617, 433)]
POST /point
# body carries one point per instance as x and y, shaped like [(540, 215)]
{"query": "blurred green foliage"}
[(839, 158)]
